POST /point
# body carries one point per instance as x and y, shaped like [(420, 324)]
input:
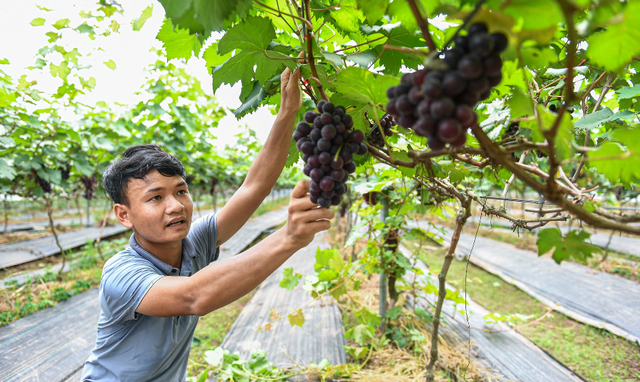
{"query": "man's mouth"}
[(176, 223)]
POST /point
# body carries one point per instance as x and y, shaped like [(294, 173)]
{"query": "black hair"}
[(136, 162)]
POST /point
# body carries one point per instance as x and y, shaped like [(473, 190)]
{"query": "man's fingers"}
[(302, 54), (300, 190), (319, 226), (313, 215)]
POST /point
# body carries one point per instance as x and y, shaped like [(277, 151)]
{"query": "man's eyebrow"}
[(155, 189)]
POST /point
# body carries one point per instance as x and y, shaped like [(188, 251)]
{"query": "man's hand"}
[(291, 94), (304, 217)]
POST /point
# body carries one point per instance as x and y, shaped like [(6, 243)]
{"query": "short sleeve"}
[(204, 236), (125, 282)]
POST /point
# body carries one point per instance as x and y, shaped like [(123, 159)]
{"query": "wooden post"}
[(384, 214)]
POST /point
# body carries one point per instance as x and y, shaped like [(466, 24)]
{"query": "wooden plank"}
[(321, 336), (507, 353)]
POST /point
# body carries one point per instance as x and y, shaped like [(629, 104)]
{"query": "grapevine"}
[(327, 143)]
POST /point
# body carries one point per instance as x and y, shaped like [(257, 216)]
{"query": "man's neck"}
[(169, 253)]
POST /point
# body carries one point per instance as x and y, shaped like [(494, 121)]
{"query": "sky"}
[(129, 50)]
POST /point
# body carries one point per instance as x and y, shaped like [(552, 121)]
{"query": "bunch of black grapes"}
[(438, 104), (46, 186), (328, 143), (89, 184), (375, 136)]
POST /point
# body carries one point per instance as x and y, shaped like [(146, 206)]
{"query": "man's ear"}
[(123, 215)]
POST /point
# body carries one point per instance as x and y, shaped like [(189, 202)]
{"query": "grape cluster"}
[(65, 171), (46, 186), (328, 143), (438, 104), (375, 136), (89, 184)]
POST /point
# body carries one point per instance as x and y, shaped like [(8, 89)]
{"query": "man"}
[(152, 294)]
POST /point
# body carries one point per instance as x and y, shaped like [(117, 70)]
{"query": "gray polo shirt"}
[(134, 347)]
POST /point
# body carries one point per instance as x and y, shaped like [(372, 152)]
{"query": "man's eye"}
[(182, 192), (157, 197)]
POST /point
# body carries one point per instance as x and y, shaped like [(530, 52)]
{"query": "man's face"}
[(160, 208)]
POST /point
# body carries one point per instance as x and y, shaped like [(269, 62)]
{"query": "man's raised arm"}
[(266, 169)]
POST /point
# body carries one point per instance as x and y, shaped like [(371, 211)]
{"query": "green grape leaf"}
[(519, 104), (593, 120), (138, 23), (252, 101), (366, 317), (545, 121), (6, 171), (62, 23), (364, 58), (289, 279), (110, 64), (178, 43), (348, 19), (615, 162), (61, 70), (628, 92), (573, 245), (363, 87), (615, 47), (373, 10), (37, 22), (534, 14), (401, 11), (361, 334), (212, 58), (296, 318)]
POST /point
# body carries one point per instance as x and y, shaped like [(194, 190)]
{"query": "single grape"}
[(347, 120), (470, 66), (485, 95), (452, 56), (391, 92), (363, 149), (493, 65), (479, 85), (324, 158), (407, 78), (350, 167), (500, 42), (448, 130), (431, 88), (383, 122), (310, 116), (347, 157), (326, 169), (424, 107), (315, 135), (402, 89), (461, 140), (316, 175), (328, 132), (340, 188), (328, 194), (357, 136), (297, 136), (424, 126), (406, 121), (329, 108), (326, 118), (340, 111), (435, 144), (552, 107), (478, 28), (337, 175), (324, 203), (317, 122), (418, 77), (337, 141), (354, 147), (303, 128), (324, 144), (320, 104), (403, 105), (468, 98), (313, 161), (336, 120), (481, 44), (391, 107), (415, 95), (326, 184), (305, 157), (461, 42), (336, 200), (306, 170), (465, 115), (313, 198), (442, 108), (495, 80), (437, 75), (453, 83), (307, 148), (337, 163)]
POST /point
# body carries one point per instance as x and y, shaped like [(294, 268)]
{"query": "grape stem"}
[(375, 152), (312, 64), (423, 22), (281, 14)]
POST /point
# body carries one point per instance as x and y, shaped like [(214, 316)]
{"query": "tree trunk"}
[(88, 212), (6, 214), (382, 300), (55, 236)]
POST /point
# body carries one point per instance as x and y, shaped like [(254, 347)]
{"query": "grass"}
[(594, 354)]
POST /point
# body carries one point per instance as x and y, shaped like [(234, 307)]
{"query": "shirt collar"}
[(188, 253)]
